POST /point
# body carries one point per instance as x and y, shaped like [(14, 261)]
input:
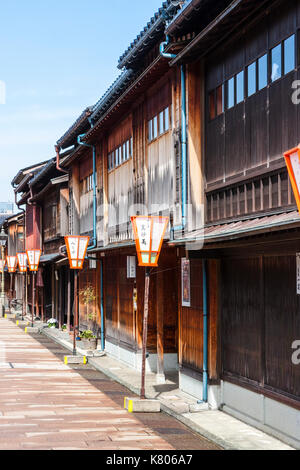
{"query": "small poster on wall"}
[(131, 267), (186, 282), (298, 273)]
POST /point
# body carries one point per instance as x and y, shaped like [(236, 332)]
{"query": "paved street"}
[(47, 405)]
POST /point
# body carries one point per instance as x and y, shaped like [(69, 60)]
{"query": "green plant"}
[(64, 327), (88, 334), (91, 316), (87, 295)]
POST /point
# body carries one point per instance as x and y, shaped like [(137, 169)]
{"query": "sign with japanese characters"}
[(186, 282), (298, 272), (131, 267), (149, 234)]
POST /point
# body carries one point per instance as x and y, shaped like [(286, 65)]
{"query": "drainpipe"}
[(181, 227), (94, 191), (205, 335), (95, 232), (57, 160), (183, 213), (102, 308)]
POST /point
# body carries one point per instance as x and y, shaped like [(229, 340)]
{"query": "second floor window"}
[(120, 155), (268, 68), (159, 124)]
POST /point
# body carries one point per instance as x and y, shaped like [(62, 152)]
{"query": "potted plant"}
[(52, 323), (88, 340), (88, 295), (64, 328)]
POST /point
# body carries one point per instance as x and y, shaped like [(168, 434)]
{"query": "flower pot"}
[(89, 344)]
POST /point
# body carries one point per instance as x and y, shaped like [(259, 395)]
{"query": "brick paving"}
[(47, 405)]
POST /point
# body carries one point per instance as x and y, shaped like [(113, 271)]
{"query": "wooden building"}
[(43, 190), (248, 62), (194, 128)]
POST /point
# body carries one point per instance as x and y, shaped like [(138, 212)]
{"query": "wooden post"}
[(145, 331), (160, 376), (42, 304)]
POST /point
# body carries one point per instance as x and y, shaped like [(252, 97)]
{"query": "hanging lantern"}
[(34, 257), (149, 234), (76, 248), (292, 160), (2, 264), (12, 264), (22, 260)]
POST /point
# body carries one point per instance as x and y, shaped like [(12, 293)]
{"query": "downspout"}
[(183, 212), (181, 227), (95, 234), (205, 335), (94, 245), (57, 160), (102, 307)]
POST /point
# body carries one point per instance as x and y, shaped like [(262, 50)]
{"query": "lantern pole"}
[(33, 298), (2, 283), (75, 315), (11, 291), (24, 296), (145, 330)]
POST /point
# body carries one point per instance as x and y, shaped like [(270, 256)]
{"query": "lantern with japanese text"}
[(34, 257), (76, 248), (292, 160), (12, 264), (22, 260), (149, 234)]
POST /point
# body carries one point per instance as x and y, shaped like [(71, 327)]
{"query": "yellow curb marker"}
[(130, 406), (26, 329), (84, 360), (5, 316), (17, 322), (66, 360)]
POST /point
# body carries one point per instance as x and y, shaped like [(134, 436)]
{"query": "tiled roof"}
[(75, 129), (113, 92), (243, 228), (153, 29)]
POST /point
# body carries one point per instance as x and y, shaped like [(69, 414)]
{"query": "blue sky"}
[(57, 57)]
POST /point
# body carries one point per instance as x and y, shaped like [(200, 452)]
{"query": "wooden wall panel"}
[(241, 314), (282, 312), (191, 322), (120, 134)]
